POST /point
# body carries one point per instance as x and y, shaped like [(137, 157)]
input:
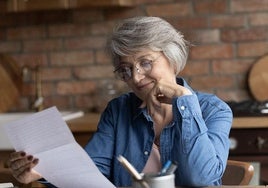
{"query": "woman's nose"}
[(137, 74)]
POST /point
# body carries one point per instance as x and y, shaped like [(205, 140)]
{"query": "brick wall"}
[(228, 37)]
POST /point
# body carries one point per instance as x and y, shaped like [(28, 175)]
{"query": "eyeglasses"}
[(125, 71)]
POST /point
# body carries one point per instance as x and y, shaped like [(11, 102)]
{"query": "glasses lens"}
[(145, 65), (123, 73)]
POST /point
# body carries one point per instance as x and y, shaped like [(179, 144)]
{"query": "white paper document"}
[(62, 161)]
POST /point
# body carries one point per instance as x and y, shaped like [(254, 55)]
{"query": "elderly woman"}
[(161, 119)]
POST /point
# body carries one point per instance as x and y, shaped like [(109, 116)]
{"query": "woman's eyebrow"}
[(144, 56), (138, 58)]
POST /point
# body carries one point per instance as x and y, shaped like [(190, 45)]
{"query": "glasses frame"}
[(138, 69)]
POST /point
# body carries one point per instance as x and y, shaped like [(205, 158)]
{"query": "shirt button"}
[(182, 107), (146, 153)]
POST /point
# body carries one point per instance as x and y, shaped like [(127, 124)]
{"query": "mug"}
[(155, 181)]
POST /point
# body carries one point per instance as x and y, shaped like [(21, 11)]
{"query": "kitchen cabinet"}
[(249, 142), (40, 5)]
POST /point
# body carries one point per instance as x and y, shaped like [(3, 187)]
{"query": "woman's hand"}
[(162, 93), (21, 166)]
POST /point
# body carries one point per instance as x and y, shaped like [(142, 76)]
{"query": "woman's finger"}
[(15, 156), (25, 174), (22, 169), (16, 164)]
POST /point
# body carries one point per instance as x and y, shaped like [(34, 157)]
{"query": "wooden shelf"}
[(42, 5)]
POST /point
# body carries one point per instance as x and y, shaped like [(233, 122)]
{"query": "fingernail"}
[(22, 153), (35, 161), (30, 157)]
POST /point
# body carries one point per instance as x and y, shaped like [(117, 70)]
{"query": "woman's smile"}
[(145, 85)]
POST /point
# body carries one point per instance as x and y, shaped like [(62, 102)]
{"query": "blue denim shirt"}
[(197, 138)]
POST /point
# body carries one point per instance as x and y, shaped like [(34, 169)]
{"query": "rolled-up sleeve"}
[(203, 128)]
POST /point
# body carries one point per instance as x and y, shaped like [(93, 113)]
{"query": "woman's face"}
[(143, 78)]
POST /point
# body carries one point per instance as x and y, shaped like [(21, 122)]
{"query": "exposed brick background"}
[(228, 37)]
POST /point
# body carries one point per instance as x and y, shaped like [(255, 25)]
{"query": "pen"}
[(129, 167), (172, 168), (132, 171), (165, 167)]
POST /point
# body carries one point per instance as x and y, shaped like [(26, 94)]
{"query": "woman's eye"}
[(145, 63)]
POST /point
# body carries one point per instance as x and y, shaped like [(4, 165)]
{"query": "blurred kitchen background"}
[(64, 40), (52, 54)]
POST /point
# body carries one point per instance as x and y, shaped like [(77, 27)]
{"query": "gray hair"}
[(133, 35)]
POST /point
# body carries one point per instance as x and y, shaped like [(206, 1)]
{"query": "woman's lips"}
[(140, 87)]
